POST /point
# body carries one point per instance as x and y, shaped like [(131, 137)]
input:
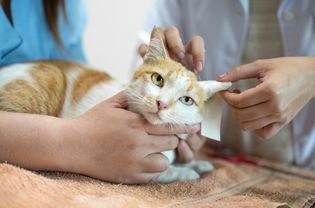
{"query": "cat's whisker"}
[(143, 99), (139, 102)]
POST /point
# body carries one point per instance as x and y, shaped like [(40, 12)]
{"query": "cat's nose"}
[(161, 105)]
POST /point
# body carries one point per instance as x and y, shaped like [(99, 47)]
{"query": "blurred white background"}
[(111, 37)]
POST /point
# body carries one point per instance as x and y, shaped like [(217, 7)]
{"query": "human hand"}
[(113, 144), (192, 54), (286, 85), (187, 149)]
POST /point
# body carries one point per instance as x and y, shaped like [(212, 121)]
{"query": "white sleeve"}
[(162, 13)]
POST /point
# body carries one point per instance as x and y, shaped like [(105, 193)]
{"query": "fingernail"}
[(198, 66), (195, 128), (181, 55), (181, 143), (221, 76)]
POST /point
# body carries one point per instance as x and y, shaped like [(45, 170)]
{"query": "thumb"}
[(246, 71), (120, 100)]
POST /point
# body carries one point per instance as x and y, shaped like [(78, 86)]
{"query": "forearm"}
[(30, 141)]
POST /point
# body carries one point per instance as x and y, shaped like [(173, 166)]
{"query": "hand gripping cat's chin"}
[(153, 117)]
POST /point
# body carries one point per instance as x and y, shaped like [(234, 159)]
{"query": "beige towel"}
[(229, 185)]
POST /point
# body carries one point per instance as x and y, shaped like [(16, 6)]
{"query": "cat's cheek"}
[(188, 114), (152, 90)]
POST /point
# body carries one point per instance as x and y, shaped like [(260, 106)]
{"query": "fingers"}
[(246, 71), (185, 154), (120, 100), (257, 116), (188, 148), (171, 129), (270, 130), (158, 144), (258, 123), (196, 48), (140, 178), (143, 48), (195, 142), (174, 42), (155, 163), (250, 97)]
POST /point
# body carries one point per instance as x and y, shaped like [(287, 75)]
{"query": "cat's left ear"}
[(211, 87), (157, 48)]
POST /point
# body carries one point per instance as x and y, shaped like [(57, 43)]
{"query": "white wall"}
[(111, 36)]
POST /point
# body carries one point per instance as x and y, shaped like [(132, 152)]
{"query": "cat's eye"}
[(186, 100), (157, 79)]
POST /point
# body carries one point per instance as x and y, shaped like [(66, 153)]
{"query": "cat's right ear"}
[(157, 48)]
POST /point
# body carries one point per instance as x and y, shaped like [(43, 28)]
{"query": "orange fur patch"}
[(44, 96), (85, 81)]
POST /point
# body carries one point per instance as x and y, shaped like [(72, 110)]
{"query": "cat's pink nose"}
[(161, 105)]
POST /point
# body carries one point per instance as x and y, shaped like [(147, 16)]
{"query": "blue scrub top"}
[(30, 39)]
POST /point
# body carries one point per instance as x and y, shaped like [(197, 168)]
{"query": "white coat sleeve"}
[(161, 14)]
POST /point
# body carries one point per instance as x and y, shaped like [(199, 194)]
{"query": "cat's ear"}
[(211, 87), (157, 48)]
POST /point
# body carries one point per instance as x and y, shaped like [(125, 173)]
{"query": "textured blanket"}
[(230, 185)]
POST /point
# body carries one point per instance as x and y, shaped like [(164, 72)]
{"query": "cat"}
[(161, 90)]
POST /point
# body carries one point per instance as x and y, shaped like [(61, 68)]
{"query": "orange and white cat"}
[(161, 90)]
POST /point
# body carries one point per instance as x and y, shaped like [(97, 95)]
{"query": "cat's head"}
[(164, 91)]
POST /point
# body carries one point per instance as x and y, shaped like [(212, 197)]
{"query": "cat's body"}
[(161, 90), (55, 88)]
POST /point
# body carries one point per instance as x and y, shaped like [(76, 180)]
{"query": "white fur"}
[(67, 110), (15, 71), (98, 94), (94, 96)]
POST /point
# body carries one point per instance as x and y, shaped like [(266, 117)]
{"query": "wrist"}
[(69, 146), (62, 134), (56, 154)]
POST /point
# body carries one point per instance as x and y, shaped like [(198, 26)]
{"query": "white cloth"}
[(224, 25)]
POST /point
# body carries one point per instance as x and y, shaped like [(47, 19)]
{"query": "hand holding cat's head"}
[(164, 91)]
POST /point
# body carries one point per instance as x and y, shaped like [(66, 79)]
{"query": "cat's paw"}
[(173, 174), (188, 175), (200, 166)]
